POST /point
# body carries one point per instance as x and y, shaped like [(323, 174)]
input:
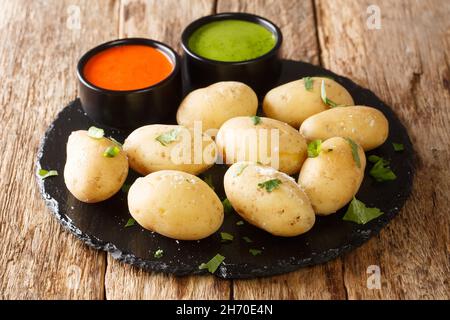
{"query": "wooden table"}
[(405, 62)]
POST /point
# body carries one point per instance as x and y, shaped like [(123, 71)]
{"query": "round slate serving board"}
[(102, 225)]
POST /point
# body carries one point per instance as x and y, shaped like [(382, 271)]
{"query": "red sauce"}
[(127, 67)]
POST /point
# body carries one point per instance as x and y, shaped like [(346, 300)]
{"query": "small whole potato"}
[(216, 104), (293, 102), (169, 147), (88, 174), (365, 125), (333, 178), (268, 199), (264, 140), (175, 204)]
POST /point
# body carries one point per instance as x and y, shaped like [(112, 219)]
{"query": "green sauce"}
[(231, 40)]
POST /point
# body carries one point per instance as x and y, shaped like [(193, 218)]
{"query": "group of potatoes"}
[(171, 200)]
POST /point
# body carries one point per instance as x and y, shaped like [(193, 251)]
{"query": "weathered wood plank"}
[(406, 63), (164, 21), (40, 45), (296, 20)]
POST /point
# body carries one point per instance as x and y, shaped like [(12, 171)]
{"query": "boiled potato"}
[(365, 125), (333, 177), (169, 147), (270, 142), (268, 199), (175, 204), (216, 104), (293, 103), (88, 174)]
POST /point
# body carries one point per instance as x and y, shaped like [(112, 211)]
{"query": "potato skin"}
[(175, 204), (285, 212), (332, 178), (365, 125), (292, 103), (88, 175), (146, 154), (292, 149), (216, 104)]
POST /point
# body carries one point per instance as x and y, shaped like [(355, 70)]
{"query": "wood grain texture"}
[(320, 282), (38, 55), (295, 19), (164, 21), (406, 63), (161, 20)]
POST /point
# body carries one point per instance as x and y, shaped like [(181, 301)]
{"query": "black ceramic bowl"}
[(261, 73), (133, 108)]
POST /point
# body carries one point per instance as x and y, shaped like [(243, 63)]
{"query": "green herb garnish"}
[(270, 185), (359, 213), (209, 181), (255, 252), (130, 222), (158, 253), (323, 95), (212, 264), (314, 148), (125, 188), (227, 207), (309, 83), (247, 239), (111, 152), (398, 146), (43, 174), (240, 223), (355, 153), (96, 133), (240, 169), (256, 120), (225, 236), (168, 137), (381, 170)]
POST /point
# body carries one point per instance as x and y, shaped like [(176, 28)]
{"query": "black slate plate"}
[(102, 225)]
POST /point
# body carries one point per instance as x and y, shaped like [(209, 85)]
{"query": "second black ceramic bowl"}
[(261, 73), (133, 108)]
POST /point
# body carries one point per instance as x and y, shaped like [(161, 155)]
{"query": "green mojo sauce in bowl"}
[(231, 40)]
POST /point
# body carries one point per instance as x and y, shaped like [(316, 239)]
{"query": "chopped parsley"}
[(398, 146), (247, 239), (355, 153), (111, 152), (213, 264), (43, 174), (225, 237), (209, 181), (255, 252), (309, 83), (125, 188), (323, 95), (381, 170), (270, 185), (158, 253), (240, 169), (95, 132), (314, 148), (256, 120), (168, 137), (358, 212), (227, 207), (130, 222)]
